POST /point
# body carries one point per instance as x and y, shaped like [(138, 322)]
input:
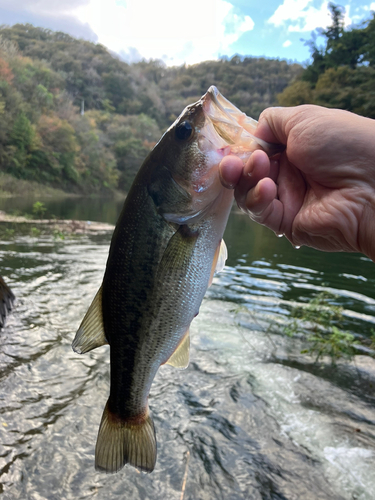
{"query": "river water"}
[(250, 418)]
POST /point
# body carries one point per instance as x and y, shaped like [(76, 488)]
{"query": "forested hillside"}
[(46, 77), (342, 72)]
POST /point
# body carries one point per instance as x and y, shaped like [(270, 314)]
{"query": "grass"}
[(8, 231)]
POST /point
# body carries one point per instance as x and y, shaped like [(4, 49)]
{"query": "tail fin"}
[(123, 442)]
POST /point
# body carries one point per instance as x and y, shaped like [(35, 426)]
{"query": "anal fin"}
[(181, 356), (90, 334), (218, 263)]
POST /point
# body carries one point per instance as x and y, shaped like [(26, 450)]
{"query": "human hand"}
[(321, 191)]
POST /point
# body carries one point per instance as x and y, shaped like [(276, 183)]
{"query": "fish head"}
[(192, 148), (230, 131)]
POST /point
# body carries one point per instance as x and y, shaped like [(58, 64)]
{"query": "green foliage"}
[(372, 340), (324, 322), (39, 209), (45, 76), (347, 88), (336, 344), (58, 234), (299, 92), (8, 233), (319, 311), (22, 134), (20, 144), (342, 72), (35, 232)]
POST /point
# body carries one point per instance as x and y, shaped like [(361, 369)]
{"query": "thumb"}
[(273, 125)]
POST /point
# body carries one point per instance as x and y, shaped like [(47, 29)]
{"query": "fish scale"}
[(164, 251)]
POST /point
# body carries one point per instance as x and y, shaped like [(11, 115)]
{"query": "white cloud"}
[(290, 10), (287, 43), (52, 14), (366, 8), (130, 55), (42, 6), (301, 15), (202, 31), (232, 25)]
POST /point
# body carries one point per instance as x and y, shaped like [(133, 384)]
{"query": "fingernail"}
[(226, 184)]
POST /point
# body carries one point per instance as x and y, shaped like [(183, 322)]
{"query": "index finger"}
[(231, 168)]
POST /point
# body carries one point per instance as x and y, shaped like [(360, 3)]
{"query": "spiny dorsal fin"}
[(218, 263), (90, 334), (180, 358)]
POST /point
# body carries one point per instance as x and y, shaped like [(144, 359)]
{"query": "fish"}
[(165, 249), (7, 299)]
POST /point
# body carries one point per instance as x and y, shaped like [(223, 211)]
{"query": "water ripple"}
[(249, 418)]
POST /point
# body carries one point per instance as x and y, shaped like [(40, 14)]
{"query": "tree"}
[(45, 75), (341, 73)]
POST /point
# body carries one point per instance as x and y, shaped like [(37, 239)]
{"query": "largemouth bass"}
[(6, 301), (164, 251)]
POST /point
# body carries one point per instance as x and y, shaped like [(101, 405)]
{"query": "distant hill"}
[(46, 76)]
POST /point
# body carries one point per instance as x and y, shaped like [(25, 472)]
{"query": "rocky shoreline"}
[(68, 226)]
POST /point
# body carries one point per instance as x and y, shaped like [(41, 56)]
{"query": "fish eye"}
[(184, 131)]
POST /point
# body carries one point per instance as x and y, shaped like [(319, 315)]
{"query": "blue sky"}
[(187, 32)]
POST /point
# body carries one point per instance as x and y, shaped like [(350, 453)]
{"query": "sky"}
[(187, 32)]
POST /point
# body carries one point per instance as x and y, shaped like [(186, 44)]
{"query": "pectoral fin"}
[(218, 263), (180, 358), (175, 267), (176, 260), (90, 334)]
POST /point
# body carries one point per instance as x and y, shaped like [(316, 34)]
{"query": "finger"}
[(274, 124), (260, 197), (274, 170), (263, 207), (291, 192), (230, 171), (256, 168)]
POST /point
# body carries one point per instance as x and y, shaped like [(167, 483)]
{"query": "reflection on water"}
[(88, 208), (251, 418)]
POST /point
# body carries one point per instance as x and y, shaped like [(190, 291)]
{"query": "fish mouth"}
[(229, 129)]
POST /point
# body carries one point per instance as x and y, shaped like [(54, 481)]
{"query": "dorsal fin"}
[(180, 357), (90, 334)]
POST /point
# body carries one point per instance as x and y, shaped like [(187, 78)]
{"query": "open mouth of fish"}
[(229, 130), (225, 130)]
